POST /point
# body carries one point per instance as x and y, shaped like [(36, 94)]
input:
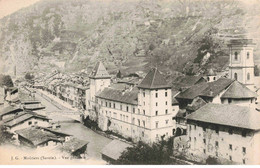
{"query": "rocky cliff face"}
[(72, 35)]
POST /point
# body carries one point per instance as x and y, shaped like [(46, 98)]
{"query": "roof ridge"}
[(153, 76)]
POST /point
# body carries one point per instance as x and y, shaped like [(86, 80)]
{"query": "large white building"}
[(141, 113)]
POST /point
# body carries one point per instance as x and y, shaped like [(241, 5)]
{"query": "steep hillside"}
[(72, 35)]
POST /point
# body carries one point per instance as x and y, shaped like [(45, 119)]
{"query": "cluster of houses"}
[(69, 88), (22, 120), (210, 116)]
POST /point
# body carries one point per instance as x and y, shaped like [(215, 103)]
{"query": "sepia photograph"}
[(129, 82)]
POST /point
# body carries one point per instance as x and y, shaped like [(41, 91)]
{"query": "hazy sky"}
[(9, 6)]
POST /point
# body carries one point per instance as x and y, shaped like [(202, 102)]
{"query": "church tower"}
[(241, 67)]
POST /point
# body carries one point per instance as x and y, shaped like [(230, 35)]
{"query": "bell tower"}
[(241, 65)]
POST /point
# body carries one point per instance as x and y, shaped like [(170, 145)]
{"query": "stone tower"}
[(99, 80), (155, 106), (241, 66)]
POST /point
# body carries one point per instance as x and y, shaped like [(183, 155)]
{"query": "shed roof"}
[(227, 114), (72, 145), (9, 109), (114, 149)]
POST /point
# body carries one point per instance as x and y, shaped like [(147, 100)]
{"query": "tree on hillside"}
[(142, 153), (28, 76), (6, 80)]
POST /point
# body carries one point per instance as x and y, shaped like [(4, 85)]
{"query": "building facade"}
[(228, 133), (141, 113)]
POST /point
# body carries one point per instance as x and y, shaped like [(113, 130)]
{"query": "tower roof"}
[(154, 80), (238, 91), (211, 72), (99, 71)]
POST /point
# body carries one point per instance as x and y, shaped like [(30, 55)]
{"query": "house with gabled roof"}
[(227, 132), (25, 119), (40, 137)]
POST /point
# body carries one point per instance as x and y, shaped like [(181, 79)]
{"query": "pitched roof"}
[(205, 89), (227, 114), (238, 90), (71, 145), (192, 92), (210, 72), (114, 149), (99, 71), (10, 109), (129, 97), (23, 116), (37, 135), (186, 81), (154, 80), (216, 87), (196, 104)]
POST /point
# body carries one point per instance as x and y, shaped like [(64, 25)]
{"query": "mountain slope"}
[(72, 35)]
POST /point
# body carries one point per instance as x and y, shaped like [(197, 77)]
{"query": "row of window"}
[(217, 145), (156, 94), (235, 76), (236, 55), (230, 130), (156, 103), (109, 104)]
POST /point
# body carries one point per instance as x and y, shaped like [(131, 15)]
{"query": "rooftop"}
[(227, 114), (21, 117), (114, 149), (187, 81), (241, 41), (192, 92), (72, 145), (216, 87), (129, 97), (38, 135), (10, 109), (210, 72), (154, 80), (238, 90), (99, 71)]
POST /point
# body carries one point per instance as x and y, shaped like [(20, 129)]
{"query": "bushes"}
[(212, 161), (91, 124), (142, 153), (6, 80)]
